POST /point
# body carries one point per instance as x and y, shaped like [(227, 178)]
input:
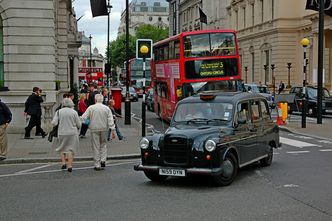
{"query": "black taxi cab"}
[(212, 134)]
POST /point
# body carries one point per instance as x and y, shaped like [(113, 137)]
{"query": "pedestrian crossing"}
[(299, 144)]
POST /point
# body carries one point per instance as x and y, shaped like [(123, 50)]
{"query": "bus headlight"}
[(210, 145), (144, 143)]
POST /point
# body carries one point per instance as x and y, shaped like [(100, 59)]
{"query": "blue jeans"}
[(118, 133)]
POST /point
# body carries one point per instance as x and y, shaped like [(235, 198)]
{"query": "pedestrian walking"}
[(105, 95), (91, 95), (101, 120), (115, 116), (5, 119), (281, 87), (33, 113), (81, 109), (67, 142)]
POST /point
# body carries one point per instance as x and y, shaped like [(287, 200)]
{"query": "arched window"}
[(2, 77)]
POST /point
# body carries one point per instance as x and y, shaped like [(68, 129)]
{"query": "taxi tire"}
[(267, 161), (221, 180), (154, 176)]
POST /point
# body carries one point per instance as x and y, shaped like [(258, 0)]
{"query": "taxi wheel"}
[(229, 171), (267, 161), (154, 176)]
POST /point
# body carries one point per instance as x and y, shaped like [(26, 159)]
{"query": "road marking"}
[(296, 143), (326, 150), (295, 152), (56, 171), (35, 168)]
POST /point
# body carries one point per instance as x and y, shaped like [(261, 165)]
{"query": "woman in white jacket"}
[(68, 129)]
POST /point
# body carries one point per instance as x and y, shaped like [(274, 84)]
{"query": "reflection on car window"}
[(208, 111)]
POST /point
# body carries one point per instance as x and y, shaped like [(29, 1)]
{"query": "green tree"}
[(118, 50), (151, 32)]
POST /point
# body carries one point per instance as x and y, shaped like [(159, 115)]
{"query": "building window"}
[(244, 18), (252, 15), (262, 10), (237, 20), (143, 3), (159, 18), (150, 18), (272, 9), (2, 77), (252, 67), (156, 4)]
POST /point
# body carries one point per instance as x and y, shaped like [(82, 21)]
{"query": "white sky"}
[(97, 26)]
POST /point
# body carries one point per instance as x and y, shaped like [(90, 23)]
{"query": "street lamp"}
[(127, 99), (273, 80), (246, 70), (144, 52), (304, 42), (289, 66), (90, 63), (265, 69), (108, 66)]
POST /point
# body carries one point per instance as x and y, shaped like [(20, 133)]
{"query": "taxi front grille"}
[(328, 104), (176, 151)]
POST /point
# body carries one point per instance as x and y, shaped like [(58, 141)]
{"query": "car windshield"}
[(312, 92), (264, 90), (203, 112)]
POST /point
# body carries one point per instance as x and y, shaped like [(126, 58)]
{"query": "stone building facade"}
[(39, 45), (153, 12), (269, 33)]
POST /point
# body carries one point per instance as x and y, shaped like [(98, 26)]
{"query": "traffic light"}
[(144, 48)]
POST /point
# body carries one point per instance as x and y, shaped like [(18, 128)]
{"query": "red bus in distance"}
[(136, 75), (192, 62)]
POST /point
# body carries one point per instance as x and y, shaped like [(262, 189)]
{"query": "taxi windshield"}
[(203, 112)]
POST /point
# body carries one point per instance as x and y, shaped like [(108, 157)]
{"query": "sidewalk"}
[(40, 150)]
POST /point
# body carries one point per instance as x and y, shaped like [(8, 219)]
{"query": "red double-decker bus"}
[(192, 62)]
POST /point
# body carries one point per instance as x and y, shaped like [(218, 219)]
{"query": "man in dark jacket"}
[(5, 119), (33, 108), (91, 95)]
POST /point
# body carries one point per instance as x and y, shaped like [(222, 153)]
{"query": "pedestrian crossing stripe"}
[(296, 143)]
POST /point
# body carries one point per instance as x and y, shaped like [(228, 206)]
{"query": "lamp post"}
[(289, 66), (108, 66), (265, 73), (90, 63), (273, 80), (246, 70), (304, 42), (127, 99), (144, 51)]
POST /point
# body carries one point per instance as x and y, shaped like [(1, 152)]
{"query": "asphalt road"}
[(297, 186)]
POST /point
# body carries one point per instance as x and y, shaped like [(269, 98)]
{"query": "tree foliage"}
[(151, 32), (118, 50), (118, 46)]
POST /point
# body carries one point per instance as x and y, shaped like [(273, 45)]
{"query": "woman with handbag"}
[(67, 142)]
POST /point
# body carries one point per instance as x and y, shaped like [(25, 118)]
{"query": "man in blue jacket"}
[(33, 108), (5, 119)]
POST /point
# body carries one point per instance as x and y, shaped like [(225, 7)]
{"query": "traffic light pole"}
[(143, 102)]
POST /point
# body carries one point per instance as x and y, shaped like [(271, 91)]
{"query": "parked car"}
[(212, 134), (132, 93), (149, 99), (262, 90), (311, 99)]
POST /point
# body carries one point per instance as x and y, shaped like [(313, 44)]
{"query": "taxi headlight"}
[(144, 143), (210, 145)]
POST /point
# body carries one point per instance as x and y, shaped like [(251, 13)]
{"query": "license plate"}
[(172, 172)]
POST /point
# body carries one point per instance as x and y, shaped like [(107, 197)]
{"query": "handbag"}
[(87, 122), (54, 131)]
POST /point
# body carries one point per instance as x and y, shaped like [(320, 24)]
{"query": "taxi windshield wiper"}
[(217, 119), (194, 120)]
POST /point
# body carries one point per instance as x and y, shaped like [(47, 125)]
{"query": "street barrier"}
[(282, 113)]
